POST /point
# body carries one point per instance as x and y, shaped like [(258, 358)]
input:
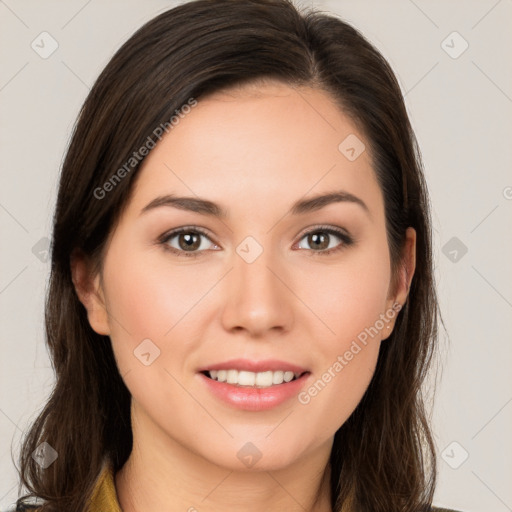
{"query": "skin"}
[(255, 152)]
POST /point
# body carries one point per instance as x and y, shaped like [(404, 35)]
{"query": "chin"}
[(256, 455)]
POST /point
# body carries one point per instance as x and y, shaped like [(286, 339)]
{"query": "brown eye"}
[(188, 241), (320, 240)]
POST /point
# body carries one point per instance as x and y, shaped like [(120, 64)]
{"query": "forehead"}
[(259, 143)]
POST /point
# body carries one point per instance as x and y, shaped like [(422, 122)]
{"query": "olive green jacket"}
[(104, 497)]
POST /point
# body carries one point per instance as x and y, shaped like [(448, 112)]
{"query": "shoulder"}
[(34, 508), (103, 495)]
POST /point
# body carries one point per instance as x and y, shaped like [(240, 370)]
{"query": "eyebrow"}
[(206, 207)]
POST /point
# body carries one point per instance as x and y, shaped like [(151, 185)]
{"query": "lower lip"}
[(255, 399)]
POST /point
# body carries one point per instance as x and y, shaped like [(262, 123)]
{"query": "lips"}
[(253, 398), (245, 384), (273, 365)]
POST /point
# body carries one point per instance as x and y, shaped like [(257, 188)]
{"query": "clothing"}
[(104, 496)]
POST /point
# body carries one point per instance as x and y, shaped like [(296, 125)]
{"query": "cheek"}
[(143, 302), (349, 300), (149, 302), (147, 292), (349, 297), (150, 297), (344, 361), (334, 393)]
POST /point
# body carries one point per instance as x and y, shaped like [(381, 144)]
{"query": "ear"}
[(90, 293), (402, 282)]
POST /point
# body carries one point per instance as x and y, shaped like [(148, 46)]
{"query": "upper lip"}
[(255, 366)]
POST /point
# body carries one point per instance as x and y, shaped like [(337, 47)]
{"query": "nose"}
[(258, 294)]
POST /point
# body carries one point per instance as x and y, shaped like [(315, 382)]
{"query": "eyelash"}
[(347, 240)]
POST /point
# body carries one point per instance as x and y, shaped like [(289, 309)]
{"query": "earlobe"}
[(89, 291)]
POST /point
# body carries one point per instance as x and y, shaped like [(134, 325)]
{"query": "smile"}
[(254, 391)]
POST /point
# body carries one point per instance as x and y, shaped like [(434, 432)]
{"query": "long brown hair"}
[(383, 455)]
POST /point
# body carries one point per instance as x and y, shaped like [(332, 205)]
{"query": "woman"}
[(277, 365)]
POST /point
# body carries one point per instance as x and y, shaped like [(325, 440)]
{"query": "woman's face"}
[(269, 287)]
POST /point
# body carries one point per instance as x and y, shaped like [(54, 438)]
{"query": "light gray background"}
[(461, 111)]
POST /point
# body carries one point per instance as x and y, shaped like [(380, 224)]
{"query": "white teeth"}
[(232, 377), (245, 378), (288, 376), (277, 377), (260, 379), (264, 379)]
